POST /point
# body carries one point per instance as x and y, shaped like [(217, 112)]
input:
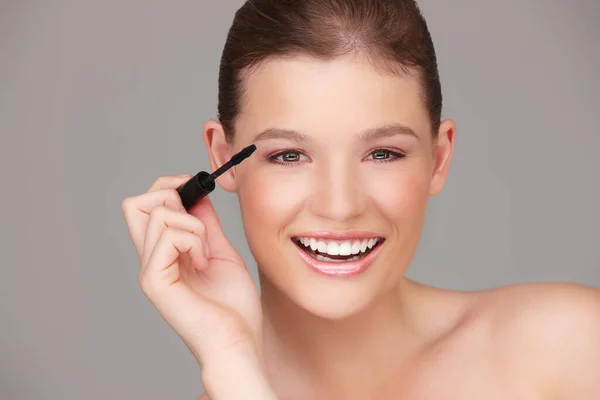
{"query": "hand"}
[(191, 273)]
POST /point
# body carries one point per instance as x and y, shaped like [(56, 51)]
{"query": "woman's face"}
[(333, 200)]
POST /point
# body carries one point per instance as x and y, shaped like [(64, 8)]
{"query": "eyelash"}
[(395, 155)]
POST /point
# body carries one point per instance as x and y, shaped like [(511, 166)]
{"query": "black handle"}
[(195, 189)]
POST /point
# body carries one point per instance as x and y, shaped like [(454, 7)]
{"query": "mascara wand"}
[(203, 183)]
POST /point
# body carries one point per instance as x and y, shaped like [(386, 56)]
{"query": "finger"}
[(137, 211), (162, 269), (161, 218), (169, 182), (217, 241)]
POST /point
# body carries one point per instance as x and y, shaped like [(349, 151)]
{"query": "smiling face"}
[(333, 200)]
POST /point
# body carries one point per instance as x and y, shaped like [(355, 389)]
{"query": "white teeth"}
[(338, 247), (356, 247), (322, 247), (346, 248), (333, 248), (363, 246)]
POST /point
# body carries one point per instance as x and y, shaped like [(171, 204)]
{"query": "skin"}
[(377, 335), (380, 335)]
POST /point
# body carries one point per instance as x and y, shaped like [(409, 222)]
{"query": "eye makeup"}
[(282, 157), (392, 155)]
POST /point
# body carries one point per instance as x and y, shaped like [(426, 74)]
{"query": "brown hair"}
[(391, 34)]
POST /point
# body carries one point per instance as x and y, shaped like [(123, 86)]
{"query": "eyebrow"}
[(369, 135), (275, 133), (386, 131)]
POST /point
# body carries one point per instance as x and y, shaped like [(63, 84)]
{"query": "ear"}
[(442, 155), (219, 152)]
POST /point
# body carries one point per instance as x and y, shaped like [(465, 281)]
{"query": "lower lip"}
[(340, 269)]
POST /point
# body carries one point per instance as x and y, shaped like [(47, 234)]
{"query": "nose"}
[(338, 193)]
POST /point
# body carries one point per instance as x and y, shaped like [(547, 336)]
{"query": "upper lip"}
[(337, 235)]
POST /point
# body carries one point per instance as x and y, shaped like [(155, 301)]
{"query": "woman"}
[(343, 100)]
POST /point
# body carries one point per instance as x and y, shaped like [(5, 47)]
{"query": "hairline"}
[(379, 63)]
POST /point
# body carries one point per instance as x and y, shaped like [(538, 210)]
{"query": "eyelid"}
[(272, 157), (391, 150), (394, 152), (282, 152)]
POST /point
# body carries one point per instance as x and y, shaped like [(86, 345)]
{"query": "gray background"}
[(98, 98)]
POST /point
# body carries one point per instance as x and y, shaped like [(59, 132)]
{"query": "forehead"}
[(340, 95)]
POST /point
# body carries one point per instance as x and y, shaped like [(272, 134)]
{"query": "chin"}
[(333, 304)]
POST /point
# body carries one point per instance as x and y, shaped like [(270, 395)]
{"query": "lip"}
[(338, 235), (346, 269)]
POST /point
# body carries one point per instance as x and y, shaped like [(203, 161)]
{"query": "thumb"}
[(217, 241)]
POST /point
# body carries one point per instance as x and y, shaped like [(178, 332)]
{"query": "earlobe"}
[(442, 155), (219, 152)]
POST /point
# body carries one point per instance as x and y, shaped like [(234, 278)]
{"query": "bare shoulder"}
[(549, 311), (551, 330), (204, 396)]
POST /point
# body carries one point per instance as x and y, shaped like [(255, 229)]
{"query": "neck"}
[(372, 342)]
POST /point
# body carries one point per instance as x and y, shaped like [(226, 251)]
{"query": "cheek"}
[(271, 199), (402, 195)]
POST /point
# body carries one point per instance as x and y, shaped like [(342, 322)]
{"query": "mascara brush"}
[(203, 183)]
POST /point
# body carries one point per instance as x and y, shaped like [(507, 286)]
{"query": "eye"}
[(288, 157), (385, 155)]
